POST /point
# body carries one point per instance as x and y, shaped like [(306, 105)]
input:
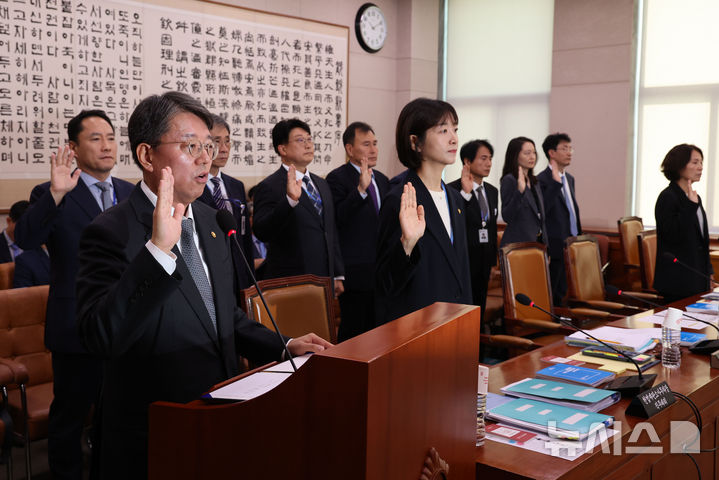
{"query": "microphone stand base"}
[(631, 386), (705, 347)]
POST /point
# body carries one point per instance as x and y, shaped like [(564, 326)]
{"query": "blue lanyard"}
[(449, 209)]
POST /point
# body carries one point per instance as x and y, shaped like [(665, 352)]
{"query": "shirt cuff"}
[(363, 195), (166, 261), (341, 277), (284, 352), (465, 195), (293, 203)]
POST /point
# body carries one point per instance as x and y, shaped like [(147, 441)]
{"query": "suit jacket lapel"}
[(82, 196), (434, 222)]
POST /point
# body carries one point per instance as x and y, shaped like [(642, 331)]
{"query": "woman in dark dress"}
[(422, 245), (682, 231), (522, 203)]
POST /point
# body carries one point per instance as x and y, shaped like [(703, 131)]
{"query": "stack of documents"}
[(703, 306), (559, 393), (575, 375), (629, 339), (558, 421)]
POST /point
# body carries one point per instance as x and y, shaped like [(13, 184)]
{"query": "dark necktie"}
[(217, 199), (106, 190), (373, 195), (483, 207), (194, 264), (313, 194), (572, 214)]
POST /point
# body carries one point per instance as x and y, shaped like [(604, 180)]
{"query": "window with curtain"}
[(498, 73), (677, 96)]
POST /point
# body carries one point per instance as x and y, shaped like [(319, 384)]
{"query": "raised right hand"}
[(521, 179), (166, 226), (411, 219), (294, 186), (62, 177), (365, 177)]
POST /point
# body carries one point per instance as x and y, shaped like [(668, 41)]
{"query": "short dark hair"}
[(416, 118), (469, 150), (553, 140), (17, 209), (152, 116), (348, 137), (281, 131), (74, 126), (218, 121), (511, 158), (677, 158)]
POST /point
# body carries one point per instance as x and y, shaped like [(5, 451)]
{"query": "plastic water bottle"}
[(671, 339)]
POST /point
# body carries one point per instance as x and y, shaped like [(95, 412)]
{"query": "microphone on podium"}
[(227, 223), (628, 386)]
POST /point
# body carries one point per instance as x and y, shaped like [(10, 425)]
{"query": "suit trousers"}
[(76, 388), (358, 314), (558, 276)]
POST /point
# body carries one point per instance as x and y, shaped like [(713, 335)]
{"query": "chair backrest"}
[(629, 228), (299, 304), (647, 241), (584, 268), (22, 330), (7, 271), (525, 270)]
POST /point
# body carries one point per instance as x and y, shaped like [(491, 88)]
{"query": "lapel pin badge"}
[(213, 234), (459, 210)]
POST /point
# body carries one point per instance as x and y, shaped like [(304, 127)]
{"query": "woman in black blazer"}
[(422, 245), (522, 203), (682, 230)]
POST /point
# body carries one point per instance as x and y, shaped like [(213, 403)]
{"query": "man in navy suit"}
[(224, 191), (480, 203), (155, 294), (357, 190), (294, 213), (59, 211), (560, 207), (9, 250), (32, 268)]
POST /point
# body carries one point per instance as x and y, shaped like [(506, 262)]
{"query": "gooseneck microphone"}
[(705, 347), (671, 257), (227, 223), (628, 386)]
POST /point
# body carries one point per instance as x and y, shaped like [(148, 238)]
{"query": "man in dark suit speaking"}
[(155, 293), (480, 203), (357, 190)]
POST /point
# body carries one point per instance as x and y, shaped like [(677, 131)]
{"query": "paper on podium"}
[(258, 383)]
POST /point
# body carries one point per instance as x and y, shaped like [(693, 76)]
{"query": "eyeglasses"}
[(303, 140), (194, 148), (566, 149), (226, 143)]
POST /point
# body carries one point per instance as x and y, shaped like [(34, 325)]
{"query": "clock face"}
[(371, 28)]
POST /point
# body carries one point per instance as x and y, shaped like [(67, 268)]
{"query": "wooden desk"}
[(694, 378)]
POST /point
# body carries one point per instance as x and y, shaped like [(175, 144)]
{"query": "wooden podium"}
[(369, 408)]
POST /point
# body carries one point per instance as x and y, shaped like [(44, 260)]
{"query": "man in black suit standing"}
[(154, 291), (480, 203), (560, 207), (224, 191), (294, 213), (59, 211), (8, 248), (357, 190)]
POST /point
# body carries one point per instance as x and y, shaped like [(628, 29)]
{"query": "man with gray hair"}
[(154, 294)]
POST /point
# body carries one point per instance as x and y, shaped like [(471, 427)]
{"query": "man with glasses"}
[(225, 192), (294, 213), (154, 291), (59, 211), (560, 207)]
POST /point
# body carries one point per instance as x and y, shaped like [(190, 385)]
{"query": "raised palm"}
[(411, 218)]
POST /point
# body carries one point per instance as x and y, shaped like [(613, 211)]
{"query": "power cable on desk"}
[(698, 417)]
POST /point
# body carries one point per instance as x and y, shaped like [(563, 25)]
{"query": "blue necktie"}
[(313, 194), (106, 189), (220, 203), (572, 215)]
